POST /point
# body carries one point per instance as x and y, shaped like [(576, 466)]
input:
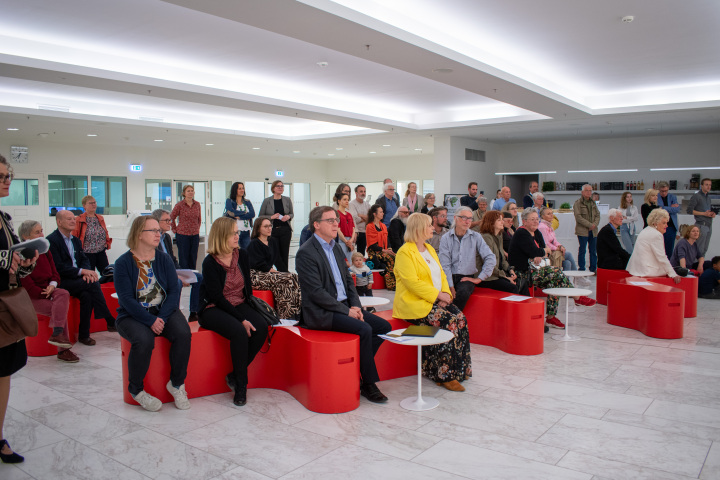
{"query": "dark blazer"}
[(213, 285), (317, 285), (610, 254), (468, 201), (396, 234), (167, 241), (267, 208), (61, 256)]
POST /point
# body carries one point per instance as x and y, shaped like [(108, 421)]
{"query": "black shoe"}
[(111, 328), (193, 317), (371, 310), (230, 380), (547, 329), (87, 341), (372, 393), (240, 397), (9, 457)]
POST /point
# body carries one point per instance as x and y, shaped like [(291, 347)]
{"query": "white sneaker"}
[(147, 401), (180, 396)]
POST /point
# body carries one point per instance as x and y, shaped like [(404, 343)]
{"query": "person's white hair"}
[(458, 211), (527, 212), (388, 185), (537, 195), (587, 185), (614, 211), (656, 215)]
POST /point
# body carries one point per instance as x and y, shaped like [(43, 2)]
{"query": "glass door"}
[(158, 194), (202, 195), (301, 206)]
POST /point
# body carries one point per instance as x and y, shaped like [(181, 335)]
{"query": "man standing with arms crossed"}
[(700, 207)]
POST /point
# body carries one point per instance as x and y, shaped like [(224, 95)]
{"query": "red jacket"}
[(81, 228), (44, 273)]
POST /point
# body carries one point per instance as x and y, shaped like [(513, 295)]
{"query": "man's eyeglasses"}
[(156, 231), (166, 220), (6, 178), (331, 221), (463, 217)]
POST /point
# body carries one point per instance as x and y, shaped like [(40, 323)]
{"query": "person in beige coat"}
[(587, 218), (648, 258)]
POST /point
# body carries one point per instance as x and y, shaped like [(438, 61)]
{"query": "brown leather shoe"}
[(453, 386), (87, 341), (61, 341), (68, 357)]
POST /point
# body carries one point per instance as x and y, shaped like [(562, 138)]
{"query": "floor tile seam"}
[(652, 427), (342, 444), (415, 429), (643, 467), (706, 459), (414, 461), (563, 401)]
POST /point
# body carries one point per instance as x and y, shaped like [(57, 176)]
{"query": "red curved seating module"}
[(603, 277), (655, 310)]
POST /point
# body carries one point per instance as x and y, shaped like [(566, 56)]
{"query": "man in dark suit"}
[(330, 301), (165, 246), (77, 277), (611, 255), (396, 232), (528, 200)]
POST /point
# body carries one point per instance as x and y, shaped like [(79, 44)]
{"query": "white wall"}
[(453, 172)]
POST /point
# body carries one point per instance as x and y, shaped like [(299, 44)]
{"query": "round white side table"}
[(572, 275), (419, 404), (567, 293)]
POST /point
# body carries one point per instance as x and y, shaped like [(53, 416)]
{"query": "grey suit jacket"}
[(267, 209), (317, 285)]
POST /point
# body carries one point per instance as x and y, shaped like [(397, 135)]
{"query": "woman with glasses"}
[(526, 255), (512, 209), (429, 203), (280, 210), (241, 210), (149, 296), (379, 253), (263, 255), (13, 356), (93, 234), (186, 218), (227, 284), (503, 277)]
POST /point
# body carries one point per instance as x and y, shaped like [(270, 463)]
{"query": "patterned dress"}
[(548, 277)]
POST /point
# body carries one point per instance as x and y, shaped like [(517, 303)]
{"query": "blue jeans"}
[(590, 240), (628, 241), (244, 239), (187, 250), (569, 262), (669, 238)]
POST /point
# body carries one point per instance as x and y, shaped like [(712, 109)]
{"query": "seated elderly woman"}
[(379, 252), (149, 296), (527, 251), (538, 201), (429, 203), (423, 298), (227, 285), (264, 254), (648, 258), (503, 276), (545, 227), (47, 299), (478, 214), (685, 254), (512, 208)]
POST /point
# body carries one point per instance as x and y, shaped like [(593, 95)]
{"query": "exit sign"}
[(279, 173), (136, 168)]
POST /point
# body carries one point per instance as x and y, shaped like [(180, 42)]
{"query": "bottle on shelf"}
[(642, 185), (654, 187)]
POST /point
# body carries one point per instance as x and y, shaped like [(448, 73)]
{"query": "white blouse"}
[(435, 269)]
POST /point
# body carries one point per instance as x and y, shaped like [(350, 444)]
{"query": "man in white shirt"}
[(359, 210)]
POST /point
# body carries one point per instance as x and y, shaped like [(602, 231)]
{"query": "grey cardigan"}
[(267, 209)]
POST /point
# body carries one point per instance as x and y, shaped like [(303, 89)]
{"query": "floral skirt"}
[(451, 360), (549, 277), (379, 259), (285, 289)]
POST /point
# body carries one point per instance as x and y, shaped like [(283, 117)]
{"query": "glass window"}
[(158, 194), (428, 186), (65, 192), (111, 194), (22, 192), (219, 191), (255, 192)]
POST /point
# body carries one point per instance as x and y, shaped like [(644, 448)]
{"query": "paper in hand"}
[(28, 247)]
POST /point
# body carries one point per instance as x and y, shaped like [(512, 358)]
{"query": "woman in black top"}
[(508, 231), (263, 254), (280, 210), (649, 204), (526, 255), (13, 357), (223, 298)]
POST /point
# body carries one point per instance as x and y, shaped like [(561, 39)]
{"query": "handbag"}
[(17, 316), (556, 258), (266, 311)]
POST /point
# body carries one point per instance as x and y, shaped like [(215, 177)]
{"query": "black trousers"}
[(242, 348), (501, 284), (142, 341), (368, 332), (462, 291), (361, 242), (363, 290), (283, 234), (91, 300), (98, 261)]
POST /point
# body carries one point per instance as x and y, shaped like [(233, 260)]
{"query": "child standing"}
[(363, 275)]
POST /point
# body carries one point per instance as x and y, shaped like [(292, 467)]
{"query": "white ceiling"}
[(244, 73)]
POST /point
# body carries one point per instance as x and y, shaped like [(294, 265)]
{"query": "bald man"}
[(76, 275)]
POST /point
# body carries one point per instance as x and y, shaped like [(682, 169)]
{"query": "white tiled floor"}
[(616, 404)]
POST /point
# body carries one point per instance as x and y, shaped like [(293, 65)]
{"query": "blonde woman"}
[(512, 209), (412, 200), (649, 204), (423, 298)]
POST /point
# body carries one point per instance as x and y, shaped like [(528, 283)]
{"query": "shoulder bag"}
[(266, 311)]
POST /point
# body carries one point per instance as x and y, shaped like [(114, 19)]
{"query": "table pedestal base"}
[(419, 404), (565, 338)]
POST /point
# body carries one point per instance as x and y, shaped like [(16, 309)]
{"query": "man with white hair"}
[(389, 203), (611, 254), (587, 217), (389, 180), (458, 248), (396, 232), (504, 198)]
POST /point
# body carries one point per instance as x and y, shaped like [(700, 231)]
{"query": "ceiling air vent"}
[(474, 155)]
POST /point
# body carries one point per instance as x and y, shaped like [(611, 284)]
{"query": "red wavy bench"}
[(513, 327), (378, 281), (319, 368), (603, 277), (656, 310), (689, 285)]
